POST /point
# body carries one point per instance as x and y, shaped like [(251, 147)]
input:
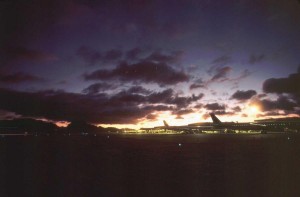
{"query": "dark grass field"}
[(150, 165)]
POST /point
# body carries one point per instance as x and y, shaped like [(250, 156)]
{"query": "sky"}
[(135, 63)]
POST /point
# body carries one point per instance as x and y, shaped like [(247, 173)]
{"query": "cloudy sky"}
[(134, 63)]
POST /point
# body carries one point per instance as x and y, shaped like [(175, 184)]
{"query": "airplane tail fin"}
[(215, 119), (166, 124)]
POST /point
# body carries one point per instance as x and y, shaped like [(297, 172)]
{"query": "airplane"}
[(185, 128), (232, 127)]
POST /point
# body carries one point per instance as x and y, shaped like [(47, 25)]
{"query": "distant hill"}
[(81, 126), (27, 125), (37, 126)]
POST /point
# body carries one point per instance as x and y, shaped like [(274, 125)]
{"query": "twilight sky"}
[(134, 63)]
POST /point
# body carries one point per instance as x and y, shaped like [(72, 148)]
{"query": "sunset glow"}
[(252, 110), (62, 123), (135, 64)]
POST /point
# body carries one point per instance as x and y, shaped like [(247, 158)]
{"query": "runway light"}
[(108, 137), (288, 138), (179, 144)]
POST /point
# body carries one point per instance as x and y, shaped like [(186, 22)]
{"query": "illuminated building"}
[(281, 124)]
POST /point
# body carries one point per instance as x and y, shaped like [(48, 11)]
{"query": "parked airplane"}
[(232, 127), (185, 128)]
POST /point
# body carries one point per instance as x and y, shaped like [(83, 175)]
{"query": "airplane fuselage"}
[(235, 126), (239, 126)]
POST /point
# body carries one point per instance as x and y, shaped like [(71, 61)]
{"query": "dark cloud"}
[(138, 90), (181, 112), (237, 109), (256, 58), (245, 73), (196, 98), (214, 106), (218, 68), (58, 105), (288, 92), (289, 85), (13, 54), (261, 95), (213, 92), (181, 101), (218, 112), (283, 85), (282, 103), (151, 117), (221, 61), (198, 106), (161, 97), (134, 53), (221, 73), (98, 87), (123, 107), (198, 84), (147, 72), (159, 107), (269, 113), (91, 56), (19, 77), (167, 96), (128, 98), (195, 86), (243, 95), (160, 57), (112, 55)]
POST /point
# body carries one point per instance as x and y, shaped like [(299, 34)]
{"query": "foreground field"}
[(150, 165)]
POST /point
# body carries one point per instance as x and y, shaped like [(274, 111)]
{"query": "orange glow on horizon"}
[(167, 116), (186, 119), (62, 124), (252, 111)]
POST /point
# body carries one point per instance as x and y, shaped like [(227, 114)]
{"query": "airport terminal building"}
[(281, 124)]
